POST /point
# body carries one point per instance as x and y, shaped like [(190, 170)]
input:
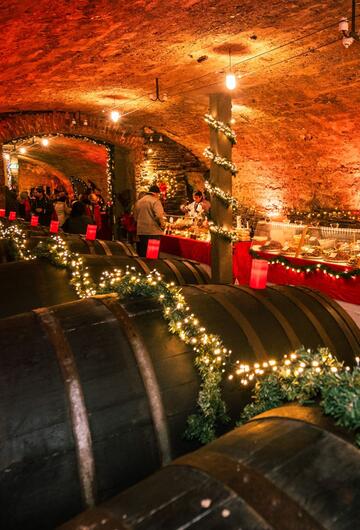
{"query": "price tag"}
[(12, 216), (34, 220), (91, 232), (2, 213), (54, 227)]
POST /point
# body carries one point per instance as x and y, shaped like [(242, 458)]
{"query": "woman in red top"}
[(24, 206)]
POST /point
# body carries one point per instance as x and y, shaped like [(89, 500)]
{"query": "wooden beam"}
[(221, 249)]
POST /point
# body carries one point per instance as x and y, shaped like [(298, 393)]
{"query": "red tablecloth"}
[(346, 290), (340, 289), (201, 251), (186, 248)]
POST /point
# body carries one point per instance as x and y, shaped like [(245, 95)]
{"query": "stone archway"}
[(127, 149)]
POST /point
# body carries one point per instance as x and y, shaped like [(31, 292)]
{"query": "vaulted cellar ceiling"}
[(296, 105)]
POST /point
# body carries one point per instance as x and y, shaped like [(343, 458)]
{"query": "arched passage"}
[(125, 149)]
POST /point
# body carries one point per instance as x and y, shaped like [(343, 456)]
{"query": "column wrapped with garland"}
[(222, 169)]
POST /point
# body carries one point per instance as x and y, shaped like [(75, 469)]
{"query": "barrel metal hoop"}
[(289, 331), (193, 269), (175, 270), (350, 330), (105, 247), (250, 333), (143, 266), (148, 376), (127, 249), (310, 315), (75, 396), (89, 245), (278, 509)]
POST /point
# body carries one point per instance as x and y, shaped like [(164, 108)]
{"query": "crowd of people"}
[(73, 214), (145, 221)]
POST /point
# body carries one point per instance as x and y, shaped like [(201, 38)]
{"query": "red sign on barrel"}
[(34, 220), (153, 247), (54, 227), (2, 213), (91, 232), (12, 216), (259, 272)]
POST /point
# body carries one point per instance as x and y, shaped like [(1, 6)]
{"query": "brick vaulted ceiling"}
[(297, 102)]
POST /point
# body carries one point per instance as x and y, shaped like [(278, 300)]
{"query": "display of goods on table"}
[(198, 228), (320, 243), (191, 227)]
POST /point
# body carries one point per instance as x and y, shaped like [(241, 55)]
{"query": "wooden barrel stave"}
[(114, 394), (35, 425), (179, 388), (29, 284), (283, 471)]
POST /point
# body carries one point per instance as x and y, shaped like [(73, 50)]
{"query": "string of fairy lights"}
[(224, 197), (110, 170), (309, 269), (211, 354)]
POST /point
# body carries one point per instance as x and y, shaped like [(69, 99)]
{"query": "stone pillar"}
[(124, 182), (221, 249)]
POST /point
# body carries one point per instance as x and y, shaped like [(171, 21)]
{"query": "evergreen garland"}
[(209, 350), (311, 377)]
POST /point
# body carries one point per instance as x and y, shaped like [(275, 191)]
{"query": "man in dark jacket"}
[(42, 207)]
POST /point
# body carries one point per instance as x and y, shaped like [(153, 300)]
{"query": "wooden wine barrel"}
[(76, 243), (96, 393), (180, 271), (288, 469), (79, 244), (26, 285)]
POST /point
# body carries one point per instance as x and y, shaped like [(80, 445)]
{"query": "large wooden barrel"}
[(96, 393), (79, 244), (26, 285), (76, 243), (180, 271), (288, 469)]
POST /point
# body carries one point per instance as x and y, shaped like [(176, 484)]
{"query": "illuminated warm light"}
[(44, 142), (22, 150), (150, 151), (6, 156), (115, 116), (230, 81)]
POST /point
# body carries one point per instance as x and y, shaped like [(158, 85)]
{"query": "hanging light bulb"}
[(85, 122), (44, 142), (149, 151), (115, 116), (230, 80), (22, 150)]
